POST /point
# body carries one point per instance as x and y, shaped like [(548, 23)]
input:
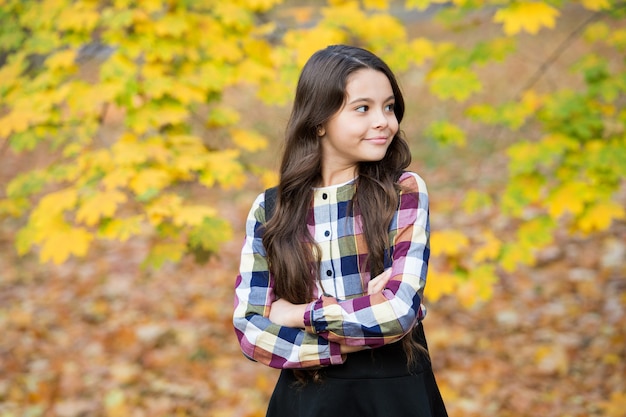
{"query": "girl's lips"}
[(379, 140)]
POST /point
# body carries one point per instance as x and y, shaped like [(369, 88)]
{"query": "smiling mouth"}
[(378, 140)]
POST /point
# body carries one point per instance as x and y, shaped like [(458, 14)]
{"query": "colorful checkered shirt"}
[(342, 313)]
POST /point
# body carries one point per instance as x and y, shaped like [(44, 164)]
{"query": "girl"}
[(330, 287)]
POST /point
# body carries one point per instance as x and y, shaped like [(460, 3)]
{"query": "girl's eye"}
[(362, 109), (390, 107)]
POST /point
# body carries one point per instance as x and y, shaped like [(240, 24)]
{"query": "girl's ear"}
[(321, 131)]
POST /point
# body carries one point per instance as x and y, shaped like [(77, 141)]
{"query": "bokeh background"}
[(135, 134)]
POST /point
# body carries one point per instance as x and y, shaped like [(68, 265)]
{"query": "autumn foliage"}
[(146, 127)]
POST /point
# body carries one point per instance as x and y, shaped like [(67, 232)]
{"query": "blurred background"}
[(135, 134)]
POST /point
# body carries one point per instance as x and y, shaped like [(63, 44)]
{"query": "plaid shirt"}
[(342, 313)]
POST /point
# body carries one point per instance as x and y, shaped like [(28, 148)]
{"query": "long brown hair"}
[(292, 253)]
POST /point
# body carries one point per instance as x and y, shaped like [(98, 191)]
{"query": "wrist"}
[(297, 315)]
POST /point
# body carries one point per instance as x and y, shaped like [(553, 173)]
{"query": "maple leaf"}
[(61, 60), (102, 204), (526, 16), (478, 286), (616, 404), (514, 254), (164, 252), (447, 133), (121, 228), (596, 5), (439, 284), (376, 4), (249, 140), (417, 4), (599, 216), (536, 233), (192, 215), (569, 197), (448, 242), (458, 83), (475, 200), (490, 249), (59, 240), (149, 178), (421, 50)]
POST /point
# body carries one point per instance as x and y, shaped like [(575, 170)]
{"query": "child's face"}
[(366, 124)]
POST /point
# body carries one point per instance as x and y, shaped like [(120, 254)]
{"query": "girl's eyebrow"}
[(369, 100)]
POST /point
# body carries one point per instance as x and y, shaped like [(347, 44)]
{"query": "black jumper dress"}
[(371, 383)]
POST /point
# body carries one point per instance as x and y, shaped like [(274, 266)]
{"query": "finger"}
[(378, 284)]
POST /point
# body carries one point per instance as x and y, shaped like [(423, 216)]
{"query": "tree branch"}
[(562, 47)]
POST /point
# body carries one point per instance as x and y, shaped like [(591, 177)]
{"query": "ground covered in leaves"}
[(102, 337)]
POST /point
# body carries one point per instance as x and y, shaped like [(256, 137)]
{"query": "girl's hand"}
[(378, 283), (284, 313)]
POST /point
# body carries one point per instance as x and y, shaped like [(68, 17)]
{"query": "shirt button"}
[(325, 196), (329, 273), (327, 233)]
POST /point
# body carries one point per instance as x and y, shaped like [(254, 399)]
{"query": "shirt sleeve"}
[(387, 316), (259, 338)]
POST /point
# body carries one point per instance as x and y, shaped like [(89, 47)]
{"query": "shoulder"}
[(257, 210), (411, 182)]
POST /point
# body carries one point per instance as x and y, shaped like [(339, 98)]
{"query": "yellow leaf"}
[(307, 42), (121, 229), (514, 255), (54, 203), (118, 177), (19, 119), (61, 60), (478, 287), (224, 168), (260, 5), (489, 250), (456, 83), (192, 215), (552, 359), (596, 5), (164, 252), (61, 241), (248, 140), (418, 4), (79, 16), (376, 4), (102, 204), (439, 284), (569, 197), (11, 71), (475, 201), (536, 233), (600, 215), (421, 50), (128, 151), (448, 242), (616, 405), (269, 178), (149, 179), (163, 207), (526, 16)]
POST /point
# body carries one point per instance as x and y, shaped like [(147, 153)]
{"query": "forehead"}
[(368, 83)]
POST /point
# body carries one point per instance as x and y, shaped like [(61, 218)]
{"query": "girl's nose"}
[(381, 120)]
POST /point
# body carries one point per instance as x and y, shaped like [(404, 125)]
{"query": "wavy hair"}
[(292, 253)]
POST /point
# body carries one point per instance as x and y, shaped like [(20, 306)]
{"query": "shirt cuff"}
[(336, 358), (308, 317)]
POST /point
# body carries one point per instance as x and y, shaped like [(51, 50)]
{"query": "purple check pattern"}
[(342, 312)]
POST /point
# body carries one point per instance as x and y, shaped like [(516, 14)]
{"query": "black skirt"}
[(371, 383)]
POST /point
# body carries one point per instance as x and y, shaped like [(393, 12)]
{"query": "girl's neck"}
[(338, 176)]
